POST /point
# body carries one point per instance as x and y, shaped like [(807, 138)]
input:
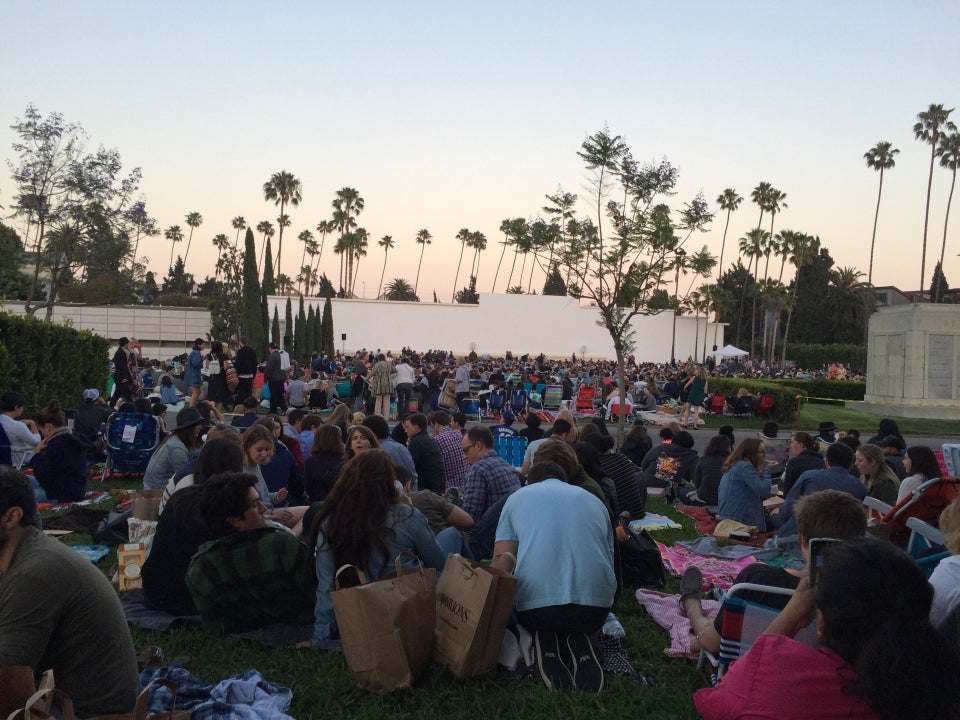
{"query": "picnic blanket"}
[(84, 520), (707, 523), (662, 418), (716, 571), (244, 696), (139, 613), (91, 498), (93, 553), (652, 521), (665, 611)]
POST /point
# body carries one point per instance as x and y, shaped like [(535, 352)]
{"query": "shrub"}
[(832, 389), (814, 356), (784, 396), (43, 360)]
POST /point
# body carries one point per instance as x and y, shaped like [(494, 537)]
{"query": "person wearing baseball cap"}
[(88, 418), (505, 428)]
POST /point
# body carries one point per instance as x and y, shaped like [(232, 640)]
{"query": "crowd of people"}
[(259, 510)]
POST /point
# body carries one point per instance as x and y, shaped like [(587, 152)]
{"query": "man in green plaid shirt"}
[(254, 574)]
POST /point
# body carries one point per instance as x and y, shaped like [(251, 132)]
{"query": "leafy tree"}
[(752, 246), (930, 124), (423, 239), (469, 294), (880, 157), (323, 227), (251, 315), (282, 188), (178, 281), (73, 202), (515, 290), (554, 284), (730, 201), (386, 242), (149, 291), (520, 239), (14, 284), (938, 285), (327, 345), (399, 289), (143, 226), (228, 295), (949, 151), (622, 275), (810, 313), (306, 271), (853, 301), (325, 287)]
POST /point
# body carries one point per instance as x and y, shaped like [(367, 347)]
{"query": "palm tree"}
[(728, 200), (265, 227), (358, 248), (386, 242), (463, 235), (220, 242), (399, 289), (174, 234), (309, 247), (423, 239), (805, 249), (239, 224), (751, 245), (347, 205), (478, 241), (284, 284), (930, 124), (282, 188), (520, 231), (506, 229), (194, 220), (323, 227), (949, 152), (879, 157), (760, 195)]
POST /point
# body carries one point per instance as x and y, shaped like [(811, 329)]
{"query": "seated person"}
[(253, 574), (672, 461), (22, 435), (648, 401), (613, 403), (880, 480), (176, 451), (89, 418), (558, 541), (322, 466), (532, 431), (745, 484), (168, 391), (60, 460), (878, 656), (920, 465), (58, 611), (828, 513), (893, 449), (706, 476), (945, 579), (833, 477), (505, 428), (363, 522), (249, 416), (804, 455)]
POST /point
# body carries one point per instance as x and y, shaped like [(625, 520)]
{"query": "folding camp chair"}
[(764, 405), (925, 545), (511, 449), (926, 503), (585, 397), (552, 397), (717, 404), (498, 398), (131, 439), (743, 622), (6, 449), (518, 401), (471, 408)]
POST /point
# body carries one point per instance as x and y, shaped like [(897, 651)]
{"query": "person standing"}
[(245, 364), (381, 383), (216, 364), (462, 378), (405, 380), (275, 376), (122, 380), (192, 376)]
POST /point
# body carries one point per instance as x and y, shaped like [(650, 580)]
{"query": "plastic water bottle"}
[(612, 627)]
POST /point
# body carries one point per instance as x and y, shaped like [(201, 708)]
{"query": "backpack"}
[(640, 562)]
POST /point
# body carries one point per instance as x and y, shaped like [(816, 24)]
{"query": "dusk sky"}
[(445, 115)]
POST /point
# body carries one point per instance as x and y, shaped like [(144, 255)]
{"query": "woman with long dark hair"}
[(745, 484), (322, 466), (921, 465), (363, 522)]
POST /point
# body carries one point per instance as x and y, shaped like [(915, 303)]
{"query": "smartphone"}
[(818, 550)]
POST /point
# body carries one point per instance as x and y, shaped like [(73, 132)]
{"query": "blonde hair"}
[(568, 416), (875, 455), (358, 417), (950, 526)]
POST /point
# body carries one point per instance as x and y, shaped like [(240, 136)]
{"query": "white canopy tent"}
[(729, 351)]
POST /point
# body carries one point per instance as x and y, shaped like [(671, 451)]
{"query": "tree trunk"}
[(943, 247), (457, 275), (497, 273), (926, 219), (873, 237)]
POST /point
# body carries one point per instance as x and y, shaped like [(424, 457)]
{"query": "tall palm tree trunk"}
[(416, 282), (723, 245), (457, 274), (873, 237), (277, 268), (497, 273), (382, 274), (510, 277), (943, 246), (786, 328), (926, 219)]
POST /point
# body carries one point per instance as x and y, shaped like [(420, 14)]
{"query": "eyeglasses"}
[(466, 448)]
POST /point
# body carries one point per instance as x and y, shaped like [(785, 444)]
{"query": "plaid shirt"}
[(488, 479), (454, 463), (251, 579)]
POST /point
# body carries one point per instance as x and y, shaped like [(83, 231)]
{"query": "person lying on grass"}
[(824, 514)]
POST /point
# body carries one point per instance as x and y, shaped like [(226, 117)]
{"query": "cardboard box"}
[(147, 506), (130, 559)]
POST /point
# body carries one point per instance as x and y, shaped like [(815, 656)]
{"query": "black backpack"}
[(640, 562)]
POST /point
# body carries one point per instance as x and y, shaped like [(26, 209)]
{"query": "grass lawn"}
[(322, 687), (811, 415)]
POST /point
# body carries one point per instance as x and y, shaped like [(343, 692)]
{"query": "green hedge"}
[(812, 356), (833, 389), (784, 396), (44, 361)]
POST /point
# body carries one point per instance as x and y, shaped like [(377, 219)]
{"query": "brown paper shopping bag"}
[(473, 608), (387, 626)]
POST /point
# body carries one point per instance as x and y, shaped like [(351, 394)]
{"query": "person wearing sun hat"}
[(175, 451), (826, 432)]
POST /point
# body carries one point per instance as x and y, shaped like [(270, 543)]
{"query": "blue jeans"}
[(451, 541)]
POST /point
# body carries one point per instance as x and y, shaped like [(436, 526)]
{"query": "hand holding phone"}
[(818, 549)]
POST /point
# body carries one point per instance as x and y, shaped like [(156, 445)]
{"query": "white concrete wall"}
[(162, 331), (555, 326)]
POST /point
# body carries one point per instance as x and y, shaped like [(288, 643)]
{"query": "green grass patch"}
[(322, 686), (811, 415)]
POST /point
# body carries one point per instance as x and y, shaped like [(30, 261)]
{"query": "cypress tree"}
[(251, 320), (265, 319), (328, 342), (269, 282), (288, 328), (309, 343), (318, 330), (275, 328), (300, 332)]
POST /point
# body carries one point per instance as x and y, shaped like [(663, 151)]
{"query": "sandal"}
[(691, 583)]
